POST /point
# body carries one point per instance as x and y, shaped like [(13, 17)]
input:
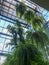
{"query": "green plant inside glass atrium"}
[(29, 46)]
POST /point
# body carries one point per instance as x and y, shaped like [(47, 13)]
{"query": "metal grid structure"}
[(8, 16), (42, 3)]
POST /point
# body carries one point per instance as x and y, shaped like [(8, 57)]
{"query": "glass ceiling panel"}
[(3, 43), (42, 3), (8, 8), (4, 39)]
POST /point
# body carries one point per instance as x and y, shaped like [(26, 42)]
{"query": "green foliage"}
[(37, 23), (29, 15), (27, 51), (17, 33), (20, 9), (25, 54), (39, 38), (12, 30)]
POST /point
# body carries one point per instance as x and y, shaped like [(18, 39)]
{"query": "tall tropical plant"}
[(28, 53), (37, 24)]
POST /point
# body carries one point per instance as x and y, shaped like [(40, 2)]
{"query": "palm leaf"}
[(27, 53), (38, 37), (29, 15), (37, 23), (20, 9), (13, 31)]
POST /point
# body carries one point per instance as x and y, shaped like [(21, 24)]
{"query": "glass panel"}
[(1, 29), (1, 46), (2, 40), (6, 3)]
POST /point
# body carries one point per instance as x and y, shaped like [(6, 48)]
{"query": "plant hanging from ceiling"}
[(28, 44)]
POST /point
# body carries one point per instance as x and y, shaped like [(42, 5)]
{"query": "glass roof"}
[(42, 3), (8, 8), (5, 37), (8, 16)]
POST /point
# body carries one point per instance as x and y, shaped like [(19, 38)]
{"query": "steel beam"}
[(5, 34), (14, 21)]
